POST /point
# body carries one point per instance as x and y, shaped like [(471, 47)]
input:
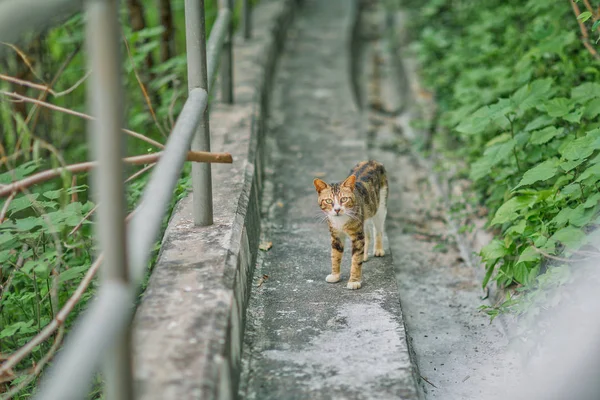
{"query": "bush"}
[(519, 101)]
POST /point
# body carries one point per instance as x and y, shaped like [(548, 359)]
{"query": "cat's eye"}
[(343, 199), (329, 201)]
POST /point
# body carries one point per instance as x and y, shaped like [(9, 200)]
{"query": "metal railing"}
[(102, 334)]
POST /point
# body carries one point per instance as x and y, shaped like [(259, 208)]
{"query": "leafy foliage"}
[(46, 237), (519, 101)]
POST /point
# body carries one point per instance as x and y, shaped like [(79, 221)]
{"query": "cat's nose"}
[(337, 209)]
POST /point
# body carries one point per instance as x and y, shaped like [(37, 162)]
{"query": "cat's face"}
[(337, 199)]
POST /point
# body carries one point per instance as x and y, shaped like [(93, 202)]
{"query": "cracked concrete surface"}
[(306, 338)]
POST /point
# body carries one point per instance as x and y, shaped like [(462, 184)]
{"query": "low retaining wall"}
[(189, 326)]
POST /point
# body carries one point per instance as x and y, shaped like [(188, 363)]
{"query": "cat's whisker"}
[(320, 217), (352, 216)]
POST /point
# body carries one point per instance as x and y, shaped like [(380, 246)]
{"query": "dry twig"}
[(78, 114), (57, 322), (195, 156), (18, 265), (584, 32), (45, 88), (23, 57), (552, 257), (144, 91), (89, 214), (5, 207), (38, 367)]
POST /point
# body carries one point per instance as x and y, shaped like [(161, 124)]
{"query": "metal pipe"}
[(227, 59), (94, 333), (112, 309), (20, 16), (144, 228), (197, 78), (214, 46), (105, 100), (247, 19)]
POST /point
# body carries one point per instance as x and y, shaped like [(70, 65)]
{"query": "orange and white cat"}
[(352, 208)]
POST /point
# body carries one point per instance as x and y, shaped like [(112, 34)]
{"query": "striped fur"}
[(352, 207)]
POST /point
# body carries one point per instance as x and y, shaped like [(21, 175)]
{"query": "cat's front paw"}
[(379, 252), (333, 278), (353, 285)]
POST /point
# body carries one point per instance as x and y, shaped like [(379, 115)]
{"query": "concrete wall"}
[(189, 326)]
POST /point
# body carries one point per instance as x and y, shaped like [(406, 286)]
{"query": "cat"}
[(351, 206)]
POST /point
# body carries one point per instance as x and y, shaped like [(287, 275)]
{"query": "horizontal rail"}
[(145, 225), (214, 46), (114, 315), (107, 317), (102, 331), (19, 16)]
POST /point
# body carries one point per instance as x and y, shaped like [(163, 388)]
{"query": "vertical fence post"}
[(195, 32), (105, 100), (227, 58), (247, 19)]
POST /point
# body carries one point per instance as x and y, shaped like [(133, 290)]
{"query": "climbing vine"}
[(517, 85)]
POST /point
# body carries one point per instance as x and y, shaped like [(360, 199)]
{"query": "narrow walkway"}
[(459, 354), (306, 338)]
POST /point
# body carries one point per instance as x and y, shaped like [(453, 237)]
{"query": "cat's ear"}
[(349, 182), (320, 185)]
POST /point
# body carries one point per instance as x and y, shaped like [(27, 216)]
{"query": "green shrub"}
[(519, 100)]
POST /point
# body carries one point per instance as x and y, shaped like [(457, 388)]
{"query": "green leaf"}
[(532, 94), (541, 172), (27, 224), (520, 273), (596, 25), (572, 192), (20, 172), (488, 274), (581, 217), (592, 109), (518, 228), (5, 255), (6, 237), (569, 165), (592, 201), (42, 269), (482, 118), (584, 16), (539, 122), (574, 117), (557, 107), (529, 255), (569, 236), (498, 139), (28, 266), (53, 194), (493, 250), (562, 218), (11, 330), (22, 203), (585, 91), (491, 157), (545, 135), (71, 273), (594, 170), (508, 211), (579, 148), (150, 32)]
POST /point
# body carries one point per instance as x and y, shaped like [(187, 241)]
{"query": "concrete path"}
[(459, 354), (306, 338)]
